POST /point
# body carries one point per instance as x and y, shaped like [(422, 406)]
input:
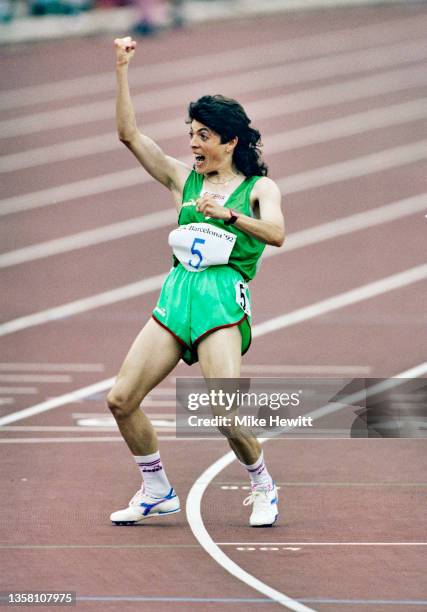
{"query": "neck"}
[(222, 177)]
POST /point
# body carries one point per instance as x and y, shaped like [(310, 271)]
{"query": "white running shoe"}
[(141, 507), (265, 510)]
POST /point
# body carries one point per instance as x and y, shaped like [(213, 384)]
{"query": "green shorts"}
[(194, 304)]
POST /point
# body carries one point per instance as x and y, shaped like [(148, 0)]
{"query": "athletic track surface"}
[(341, 100)]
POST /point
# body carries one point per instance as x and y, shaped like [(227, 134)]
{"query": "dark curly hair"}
[(228, 119)]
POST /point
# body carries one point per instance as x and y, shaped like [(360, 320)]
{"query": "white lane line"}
[(354, 168), (6, 401), (304, 238), (274, 368), (100, 415), (116, 231), (321, 543), (356, 222), (98, 546), (360, 396), (244, 487), (80, 240), (18, 390), (70, 439), (366, 602), (51, 367), (255, 55), (163, 391), (269, 107), (297, 316), (73, 191), (34, 378), (280, 105), (298, 72), (82, 438), (84, 305), (56, 402), (276, 106), (160, 425), (194, 517), (348, 298), (59, 428), (201, 534), (349, 125), (82, 428)]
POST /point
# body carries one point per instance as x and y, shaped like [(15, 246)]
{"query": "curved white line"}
[(202, 536), (194, 516)]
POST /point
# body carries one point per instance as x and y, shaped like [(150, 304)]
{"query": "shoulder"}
[(265, 187)]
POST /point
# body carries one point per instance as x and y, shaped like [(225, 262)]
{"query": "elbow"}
[(278, 240), (126, 136)]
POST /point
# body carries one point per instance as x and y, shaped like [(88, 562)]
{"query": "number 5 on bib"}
[(196, 265), (242, 297)]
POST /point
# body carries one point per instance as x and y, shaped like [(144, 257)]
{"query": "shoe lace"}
[(257, 497), (136, 499)]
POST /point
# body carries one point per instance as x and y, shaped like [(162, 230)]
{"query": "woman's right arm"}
[(167, 170)]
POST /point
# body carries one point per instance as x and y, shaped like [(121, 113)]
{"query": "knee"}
[(230, 432), (120, 404)]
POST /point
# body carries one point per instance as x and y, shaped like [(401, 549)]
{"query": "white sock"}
[(153, 475), (258, 473)]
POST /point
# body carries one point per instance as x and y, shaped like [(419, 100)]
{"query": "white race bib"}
[(200, 245)]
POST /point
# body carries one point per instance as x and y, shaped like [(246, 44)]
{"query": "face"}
[(209, 154)]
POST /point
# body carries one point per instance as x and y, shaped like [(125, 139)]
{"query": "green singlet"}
[(193, 304)]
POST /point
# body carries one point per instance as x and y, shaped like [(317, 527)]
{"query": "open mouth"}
[(199, 160)]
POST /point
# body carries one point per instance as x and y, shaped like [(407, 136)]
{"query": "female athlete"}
[(228, 210)]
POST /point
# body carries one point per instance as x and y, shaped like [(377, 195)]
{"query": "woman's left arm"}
[(269, 227)]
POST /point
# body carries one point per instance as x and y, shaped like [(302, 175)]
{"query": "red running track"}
[(339, 97)]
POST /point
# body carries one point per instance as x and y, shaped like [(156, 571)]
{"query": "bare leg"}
[(154, 353), (220, 357)]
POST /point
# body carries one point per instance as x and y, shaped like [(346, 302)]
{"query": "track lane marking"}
[(274, 368), (243, 484), (62, 400), (321, 543), (50, 367), (244, 600), (94, 546), (85, 304), (137, 225), (347, 298), (19, 390), (194, 499), (272, 106), (91, 439), (74, 428), (304, 71), (35, 378), (366, 602), (363, 602), (355, 168), (112, 181), (301, 239), (278, 106), (235, 59)]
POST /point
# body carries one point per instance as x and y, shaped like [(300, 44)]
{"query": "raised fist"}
[(125, 49)]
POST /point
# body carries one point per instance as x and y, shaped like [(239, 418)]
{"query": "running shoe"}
[(265, 510), (142, 506)]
